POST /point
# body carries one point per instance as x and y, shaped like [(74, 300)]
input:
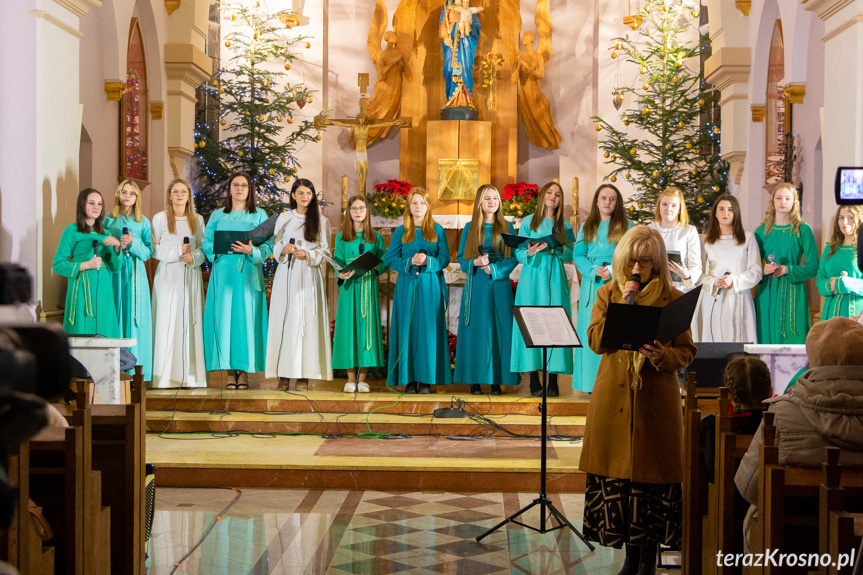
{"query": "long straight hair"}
[(618, 224), (557, 216), (476, 237), (713, 231), (637, 241), (838, 236), (794, 215), (408, 220), (349, 234), (251, 201), (312, 227), (81, 212), (118, 206), (682, 215), (191, 216)]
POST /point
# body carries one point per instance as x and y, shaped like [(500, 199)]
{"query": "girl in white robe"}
[(298, 342), (732, 267), (178, 345), (671, 220)]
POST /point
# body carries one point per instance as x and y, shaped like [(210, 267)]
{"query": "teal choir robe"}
[(485, 318), (235, 315), (90, 293), (419, 349), (846, 298), (588, 259), (132, 288), (543, 281)]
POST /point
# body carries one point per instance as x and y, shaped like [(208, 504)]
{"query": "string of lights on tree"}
[(255, 105), (673, 141)]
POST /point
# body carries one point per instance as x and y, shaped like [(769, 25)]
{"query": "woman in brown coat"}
[(632, 451)]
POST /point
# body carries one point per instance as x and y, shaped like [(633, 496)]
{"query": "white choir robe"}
[(178, 300), (298, 340), (685, 241), (728, 314)]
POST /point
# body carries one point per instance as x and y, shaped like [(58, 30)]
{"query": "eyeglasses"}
[(643, 262), (358, 209), (239, 185)]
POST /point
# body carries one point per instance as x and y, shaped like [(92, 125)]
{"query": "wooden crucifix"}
[(359, 127)]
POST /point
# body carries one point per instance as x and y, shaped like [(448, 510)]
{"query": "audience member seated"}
[(823, 409)]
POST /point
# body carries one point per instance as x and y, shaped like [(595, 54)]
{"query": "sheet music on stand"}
[(545, 326)]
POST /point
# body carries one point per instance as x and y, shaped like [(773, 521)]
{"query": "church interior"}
[(210, 421)]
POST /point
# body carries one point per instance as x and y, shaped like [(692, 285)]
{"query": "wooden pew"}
[(694, 480), (838, 530)]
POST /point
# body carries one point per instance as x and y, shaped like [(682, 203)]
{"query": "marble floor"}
[(314, 532)]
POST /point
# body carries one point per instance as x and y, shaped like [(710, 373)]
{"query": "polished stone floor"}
[(314, 532)]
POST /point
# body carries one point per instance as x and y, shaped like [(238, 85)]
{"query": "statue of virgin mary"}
[(459, 34)]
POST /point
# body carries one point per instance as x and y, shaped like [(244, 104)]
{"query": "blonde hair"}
[(638, 241), (794, 215), (408, 220), (838, 237), (682, 215), (477, 235), (191, 216), (136, 209)]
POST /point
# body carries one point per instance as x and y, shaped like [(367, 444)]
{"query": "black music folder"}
[(629, 327), (222, 240), (520, 242), (264, 231), (360, 266), (675, 257)]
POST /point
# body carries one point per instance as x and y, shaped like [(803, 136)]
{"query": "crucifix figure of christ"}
[(359, 127)]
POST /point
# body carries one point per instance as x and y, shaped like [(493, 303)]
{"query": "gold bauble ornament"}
[(664, 169), (613, 158), (698, 150), (645, 86), (606, 155), (233, 17), (694, 13), (203, 143), (680, 124), (693, 171), (240, 154), (614, 55), (628, 175), (631, 153), (261, 118), (613, 179), (266, 83), (655, 174), (309, 99), (221, 90), (318, 137), (308, 45), (287, 66), (598, 128), (715, 129), (290, 119), (688, 145), (640, 206), (215, 82), (631, 208), (643, 69), (644, 110), (626, 122), (222, 122), (255, 36), (617, 46), (676, 79), (700, 101), (227, 43), (715, 188), (283, 164), (272, 171), (281, 118), (700, 199)]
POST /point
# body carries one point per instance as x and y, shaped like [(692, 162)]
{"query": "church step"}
[(210, 399), (331, 424)]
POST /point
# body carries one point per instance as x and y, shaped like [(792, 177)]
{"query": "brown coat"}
[(635, 434)]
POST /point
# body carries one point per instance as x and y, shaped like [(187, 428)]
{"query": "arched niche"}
[(777, 116), (134, 112)]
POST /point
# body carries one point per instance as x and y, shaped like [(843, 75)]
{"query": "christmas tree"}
[(669, 136), (250, 104)]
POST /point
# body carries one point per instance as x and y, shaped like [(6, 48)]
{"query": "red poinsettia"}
[(519, 199), (393, 186)]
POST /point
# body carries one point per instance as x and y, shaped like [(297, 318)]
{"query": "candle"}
[(575, 205), (344, 195)]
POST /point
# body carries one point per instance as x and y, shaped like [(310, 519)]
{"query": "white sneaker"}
[(350, 387), (363, 387)]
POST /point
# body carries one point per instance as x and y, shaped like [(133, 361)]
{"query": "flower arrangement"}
[(519, 199), (388, 199), (452, 339)]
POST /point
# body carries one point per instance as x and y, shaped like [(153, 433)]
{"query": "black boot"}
[(495, 389), (647, 562), (475, 389), (411, 387), (553, 391), (535, 385), (630, 564)]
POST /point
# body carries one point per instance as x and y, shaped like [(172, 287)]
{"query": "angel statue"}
[(533, 106), (390, 65), (459, 34)]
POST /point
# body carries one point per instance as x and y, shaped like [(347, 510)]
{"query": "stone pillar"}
[(728, 70), (187, 66), (842, 124), (40, 131)]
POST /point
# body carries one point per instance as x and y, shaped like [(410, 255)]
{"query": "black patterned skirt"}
[(618, 511)]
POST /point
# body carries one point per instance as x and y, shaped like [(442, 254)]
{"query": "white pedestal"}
[(784, 362), (101, 357)]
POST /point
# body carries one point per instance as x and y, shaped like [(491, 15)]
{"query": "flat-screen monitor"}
[(848, 186)]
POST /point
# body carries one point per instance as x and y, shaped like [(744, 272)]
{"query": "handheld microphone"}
[(362, 249), (292, 241), (844, 273), (126, 249), (597, 278), (187, 246), (421, 252), (95, 248), (630, 299), (719, 291), (771, 259)]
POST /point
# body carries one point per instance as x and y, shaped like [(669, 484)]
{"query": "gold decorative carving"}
[(458, 179), (795, 93), (634, 21), (744, 6), (533, 106), (156, 110), (172, 5), (758, 113), (114, 90)]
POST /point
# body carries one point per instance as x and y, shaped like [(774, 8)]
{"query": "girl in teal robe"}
[(235, 314), (781, 302), (419, 349), (543, 281), (131, 285), (839, 279), (357, 344), (592, 254), (89, 305), (485, 318)]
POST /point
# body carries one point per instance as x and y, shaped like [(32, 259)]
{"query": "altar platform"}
[(328, 439)]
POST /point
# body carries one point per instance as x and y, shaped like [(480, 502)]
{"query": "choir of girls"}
[(234, 332)]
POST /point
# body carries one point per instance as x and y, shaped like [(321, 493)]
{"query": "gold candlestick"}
[(576, 209), (344, 195)]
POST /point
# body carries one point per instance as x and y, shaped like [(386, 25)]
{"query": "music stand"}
[(546, 327)]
